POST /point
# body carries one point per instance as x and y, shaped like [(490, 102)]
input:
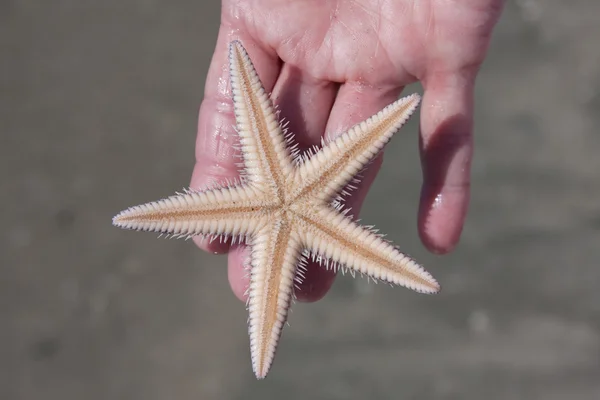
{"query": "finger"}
[(446, 150), (316, 283), (216, 157), (354, 104), (305, 103)]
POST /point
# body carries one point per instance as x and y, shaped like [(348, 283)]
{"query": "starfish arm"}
[(266, 157), (232, 211), (275, 253), (331, 235), (327, 172)]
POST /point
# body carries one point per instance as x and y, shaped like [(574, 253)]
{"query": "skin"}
[(331, 64)]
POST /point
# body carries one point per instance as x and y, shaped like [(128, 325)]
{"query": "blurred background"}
[(98, 107)]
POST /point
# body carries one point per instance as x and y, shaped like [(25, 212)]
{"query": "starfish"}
[(287, 208)]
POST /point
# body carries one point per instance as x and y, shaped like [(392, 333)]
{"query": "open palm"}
[(331, 64)]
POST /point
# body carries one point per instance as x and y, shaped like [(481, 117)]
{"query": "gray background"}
[(98, 104)]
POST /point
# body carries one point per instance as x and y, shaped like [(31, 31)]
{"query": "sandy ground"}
[(98, 104)]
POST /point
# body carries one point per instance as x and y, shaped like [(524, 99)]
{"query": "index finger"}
[(217, 159)]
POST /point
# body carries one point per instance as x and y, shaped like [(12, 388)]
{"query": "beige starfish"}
[(287, 208)]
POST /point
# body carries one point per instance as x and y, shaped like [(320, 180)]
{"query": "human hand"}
[(331, 64)]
